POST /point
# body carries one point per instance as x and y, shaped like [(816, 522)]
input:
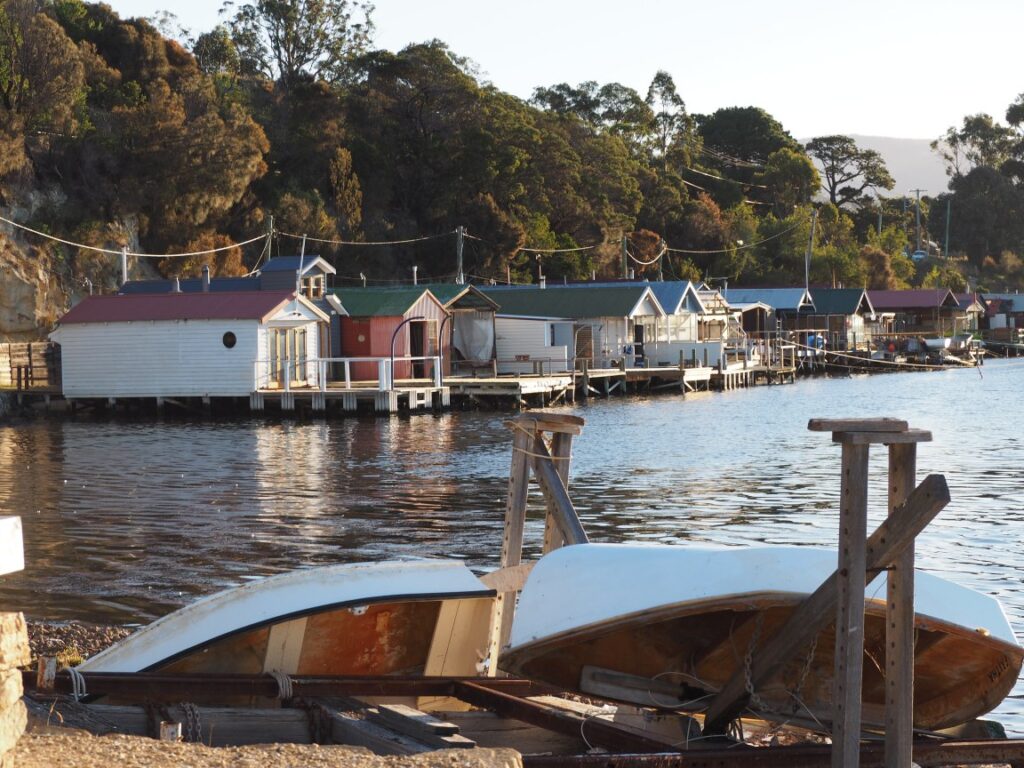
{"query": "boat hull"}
[(703, 627)]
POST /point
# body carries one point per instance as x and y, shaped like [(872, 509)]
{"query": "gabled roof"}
[(118, 308), (455, 296), (1012, 302), (674, 295), (192, 285), (572, 302), (292, 264), (842, 301), (380, 302), (779, 299), (970, 302), (920, 298)]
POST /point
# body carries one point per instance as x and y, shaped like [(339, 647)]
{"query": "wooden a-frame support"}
[(548, 459), (841, 597)]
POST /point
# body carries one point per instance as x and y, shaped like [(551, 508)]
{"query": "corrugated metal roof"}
[(1015, 300), (919, 298), (291, 264), (567, 301), (248, 305), (841, 301), (779, 299), (192, 285), (378, 302), (464, 296)]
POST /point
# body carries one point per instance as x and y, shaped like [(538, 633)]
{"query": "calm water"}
[(125, 521)]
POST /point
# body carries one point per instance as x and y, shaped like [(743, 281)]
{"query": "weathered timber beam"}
[(561, 507), (818, 610), (596, 731), (883, 424), (161, 687), (927, 754)]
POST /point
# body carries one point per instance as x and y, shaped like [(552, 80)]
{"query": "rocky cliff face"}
[(32, 293)]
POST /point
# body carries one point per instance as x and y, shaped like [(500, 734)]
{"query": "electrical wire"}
[(743, 247), (355, 243), (556, 250), (110, 252)]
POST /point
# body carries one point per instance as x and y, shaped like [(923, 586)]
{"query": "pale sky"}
[(903, 68)]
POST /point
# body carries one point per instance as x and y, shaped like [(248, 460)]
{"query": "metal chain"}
[(808, 662), (748, 663), (193, 727)]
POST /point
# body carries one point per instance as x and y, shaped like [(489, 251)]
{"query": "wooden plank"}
[(512, 542), (12, 549), (646, 691), (561, 505), (458, 645), (419, 726), (353, 730), (882, 438), (882, 424), (561, 452), (849, 649), (284, 646), (508, 579), (818, 610), (899, 622)]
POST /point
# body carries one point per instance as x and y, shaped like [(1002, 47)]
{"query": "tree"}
[(42, 83), (742, 135), (979, 141), (291, 40), (216, 53), (791, 179), (849, 171), (670, 118)]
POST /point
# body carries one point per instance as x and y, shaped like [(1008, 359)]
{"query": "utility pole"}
[(945, 252), (460, 231), (124, 264), (917, 214), (625, 260), (879, 220), (810, 250)]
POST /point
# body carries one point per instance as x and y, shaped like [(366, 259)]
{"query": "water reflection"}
[(126, 520)]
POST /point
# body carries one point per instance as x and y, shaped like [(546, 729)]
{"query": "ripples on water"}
[(125, 521)]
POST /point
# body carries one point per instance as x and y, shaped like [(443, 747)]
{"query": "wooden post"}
[(849, 651), (899, 622), (561, 452)]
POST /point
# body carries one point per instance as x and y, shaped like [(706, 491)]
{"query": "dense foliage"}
[(110, 131)]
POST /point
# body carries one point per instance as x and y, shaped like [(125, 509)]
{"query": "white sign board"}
[(12, 550)]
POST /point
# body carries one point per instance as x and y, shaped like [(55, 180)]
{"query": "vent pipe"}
[(177, 286), (206, 278), (543, 282)]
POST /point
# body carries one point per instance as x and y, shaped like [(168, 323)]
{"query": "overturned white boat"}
[(603, 619), (406, 617)]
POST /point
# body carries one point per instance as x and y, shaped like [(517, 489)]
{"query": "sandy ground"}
[(55, 748), (72, 640)]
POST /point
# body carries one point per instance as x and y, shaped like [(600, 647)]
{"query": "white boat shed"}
[(217, 344)]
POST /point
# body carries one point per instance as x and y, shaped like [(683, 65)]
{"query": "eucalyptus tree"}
[(849, 171)]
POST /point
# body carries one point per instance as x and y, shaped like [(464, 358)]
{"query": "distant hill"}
[(911, 162)]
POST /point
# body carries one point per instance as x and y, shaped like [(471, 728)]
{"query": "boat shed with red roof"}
[(210, 344)]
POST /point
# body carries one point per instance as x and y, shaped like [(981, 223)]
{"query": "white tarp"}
[(473, 335)]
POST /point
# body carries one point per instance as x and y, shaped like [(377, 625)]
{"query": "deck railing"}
[(283, 374)]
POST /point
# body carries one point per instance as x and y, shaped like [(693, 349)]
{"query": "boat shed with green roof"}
[(843, 314), (374, 316)]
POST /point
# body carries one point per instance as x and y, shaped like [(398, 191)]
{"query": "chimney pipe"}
[(206, 278), (543, 282), (177, 286)]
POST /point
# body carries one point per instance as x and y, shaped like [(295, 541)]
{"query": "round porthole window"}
[(229, 340), (361, 338)]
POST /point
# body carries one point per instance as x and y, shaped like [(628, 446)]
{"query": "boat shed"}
[(602, 324), (207, 344), (927, 311), (412, 316), (844, 314), (789, 307), (1003, 310), (470, 331)]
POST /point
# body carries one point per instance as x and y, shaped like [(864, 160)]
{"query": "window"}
[(229, 340)]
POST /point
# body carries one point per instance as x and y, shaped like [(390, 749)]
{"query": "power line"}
[(85, 247), (357, 243), (738, 247), (556, 250)]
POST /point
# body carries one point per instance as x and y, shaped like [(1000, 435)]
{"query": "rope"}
[(108, 251), (77, 683), (354, 242), (922, 366), (284, 684)]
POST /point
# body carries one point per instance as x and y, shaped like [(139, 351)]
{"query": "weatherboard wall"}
[(159, 358), (522, 341)]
